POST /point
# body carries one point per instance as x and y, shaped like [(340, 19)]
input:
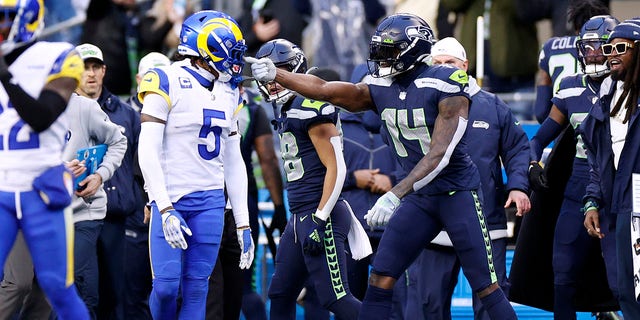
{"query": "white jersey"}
[(24, 153), (197, 124)]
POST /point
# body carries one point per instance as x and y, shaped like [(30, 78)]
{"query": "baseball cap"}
[(152, 60), (449, 46), (89, 51)]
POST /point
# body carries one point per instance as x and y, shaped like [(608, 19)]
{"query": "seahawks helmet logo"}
[(420, 32)]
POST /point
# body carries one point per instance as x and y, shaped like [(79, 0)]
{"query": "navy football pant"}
[(327, 271), (49, 236), (416, 222)]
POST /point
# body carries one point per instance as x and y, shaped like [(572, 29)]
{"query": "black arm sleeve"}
[(38, 113)]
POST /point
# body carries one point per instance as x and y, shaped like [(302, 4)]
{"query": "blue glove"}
[(262, 69), (379, 215), (246, 246), (173, 225), (314, 242)]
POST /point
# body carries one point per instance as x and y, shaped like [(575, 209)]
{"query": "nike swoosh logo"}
[(303, 217), (147, 80)]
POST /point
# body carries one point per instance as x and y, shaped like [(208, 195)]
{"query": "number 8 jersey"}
[(24, 153), (304, 171), (197, 123)]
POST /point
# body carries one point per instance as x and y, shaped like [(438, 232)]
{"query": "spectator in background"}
[(511, 45), (556, 10), (266, 20), (497, 140), (559, 56), (58, 12), (150, 60), (124, 193), (339, 31), (137, 269), (107, 25)]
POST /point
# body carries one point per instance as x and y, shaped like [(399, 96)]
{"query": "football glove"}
[(262, 69), (382, 210), (246, 246), (173, 225), (314, 242), (537, 177)]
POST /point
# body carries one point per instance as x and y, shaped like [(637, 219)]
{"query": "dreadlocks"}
[(631, 88)]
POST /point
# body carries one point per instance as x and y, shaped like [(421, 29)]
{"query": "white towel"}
[(359, 244)]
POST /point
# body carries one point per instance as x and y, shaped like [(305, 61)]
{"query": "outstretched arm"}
[(349, 96), (449, 128)]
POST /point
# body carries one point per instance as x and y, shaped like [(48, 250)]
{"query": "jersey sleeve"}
[(67, 65), (451, 82), (566, 90), (154, 81), (316, 112)]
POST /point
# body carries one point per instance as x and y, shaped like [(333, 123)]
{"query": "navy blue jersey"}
[(304, 171), (408, 106), (559, 58), (574, 99)]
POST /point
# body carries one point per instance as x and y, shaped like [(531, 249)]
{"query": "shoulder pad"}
[(155, 81)]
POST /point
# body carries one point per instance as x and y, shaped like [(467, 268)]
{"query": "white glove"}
[(173, 225), (262, 69), (382, 211), (246, 246)]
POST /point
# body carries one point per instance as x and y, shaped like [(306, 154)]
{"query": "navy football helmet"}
[(399, 43), (215, 37), (25, 18), (286, 55), (593, 34)]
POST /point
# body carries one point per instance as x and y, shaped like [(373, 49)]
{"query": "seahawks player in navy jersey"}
[(558, 56), (313, 243), (424, 110), (571, 104)]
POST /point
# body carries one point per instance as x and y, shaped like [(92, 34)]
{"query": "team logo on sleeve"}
[(185, 83)]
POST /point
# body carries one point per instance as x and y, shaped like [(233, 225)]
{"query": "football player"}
[(313, 243), (424, 110), (191, 143), (38, 79), (559, 57)]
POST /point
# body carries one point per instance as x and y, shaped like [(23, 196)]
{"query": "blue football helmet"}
[(399, 43), (285, 55), (215, 37), (593, 34), (25, 19)]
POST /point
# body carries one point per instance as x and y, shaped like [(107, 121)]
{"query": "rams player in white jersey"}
[(37, 80), (191, 146)]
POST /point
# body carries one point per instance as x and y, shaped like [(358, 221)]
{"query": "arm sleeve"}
[(150, 145), (548, 131), (235, 173), (324, 213), (543, 102), (38, 113)]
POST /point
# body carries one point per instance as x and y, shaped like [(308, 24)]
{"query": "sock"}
[(376, 304), (497, 306), (563, 302)]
